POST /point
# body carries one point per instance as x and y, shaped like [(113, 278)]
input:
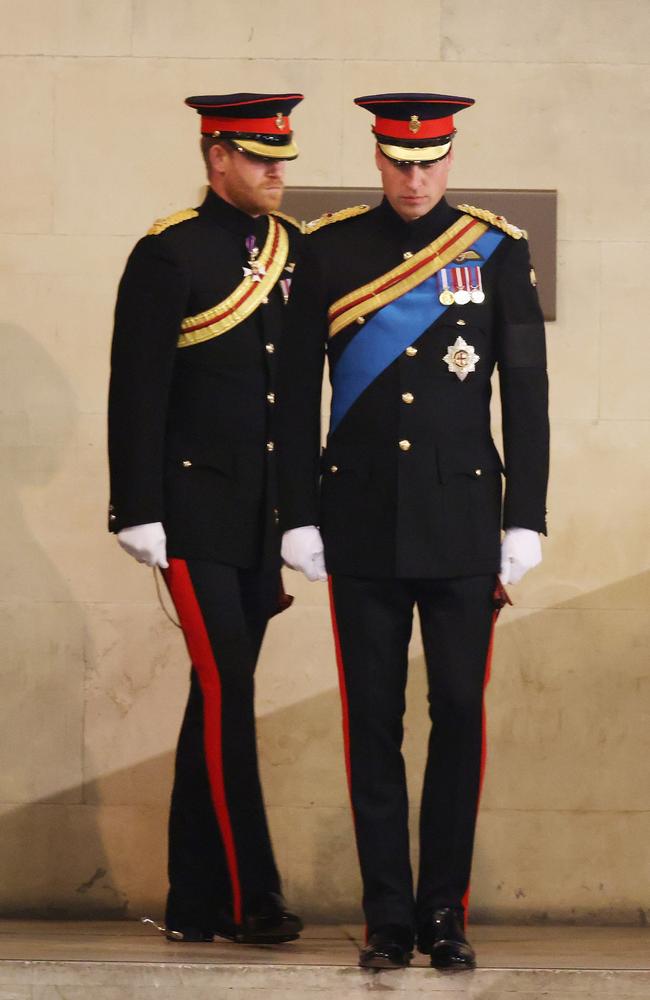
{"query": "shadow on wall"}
[(43, 636), (565, 814), (565, 818)]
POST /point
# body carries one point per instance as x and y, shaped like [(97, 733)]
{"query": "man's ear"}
[(379, 157), (217, 156)]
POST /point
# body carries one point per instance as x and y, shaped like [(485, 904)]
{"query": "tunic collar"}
[(419, 231), (233, 219)]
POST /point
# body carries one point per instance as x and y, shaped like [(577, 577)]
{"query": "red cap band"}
[(278, 125), (432, 128)]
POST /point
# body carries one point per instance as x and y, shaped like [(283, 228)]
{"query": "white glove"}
[(521, 550), (302, 549), (145, 542)]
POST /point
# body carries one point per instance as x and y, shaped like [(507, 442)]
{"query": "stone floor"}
[(127, 961)]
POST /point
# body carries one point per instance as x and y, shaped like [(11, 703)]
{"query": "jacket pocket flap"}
[(337, 458), (468, 462), (218, 457)]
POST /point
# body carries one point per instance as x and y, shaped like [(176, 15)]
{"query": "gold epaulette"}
[(328, 217), (160, 225), (290, 219), (494, 220)]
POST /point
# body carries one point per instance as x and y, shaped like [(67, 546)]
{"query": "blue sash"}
[(390, 331)]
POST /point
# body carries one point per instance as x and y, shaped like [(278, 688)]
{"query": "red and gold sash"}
[(245, 299), (422, 265)]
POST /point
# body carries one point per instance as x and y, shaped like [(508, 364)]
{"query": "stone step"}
[(125, 961)]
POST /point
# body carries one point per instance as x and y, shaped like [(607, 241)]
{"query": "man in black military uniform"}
[(193, 490), (414, 303)]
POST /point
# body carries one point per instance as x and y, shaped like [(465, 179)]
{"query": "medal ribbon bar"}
[(405, 276), (388, 332)]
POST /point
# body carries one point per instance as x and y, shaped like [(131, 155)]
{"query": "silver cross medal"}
[(461, 359)]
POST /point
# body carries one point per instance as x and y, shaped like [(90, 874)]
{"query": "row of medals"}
[(460, 285)]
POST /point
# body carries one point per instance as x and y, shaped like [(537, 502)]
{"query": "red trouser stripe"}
[(486, 680), (342, 687), (345, 711), (200, 649)]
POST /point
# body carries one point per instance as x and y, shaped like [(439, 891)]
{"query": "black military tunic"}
[(192, 429), (192, 444), (432, 509), (410, 509)]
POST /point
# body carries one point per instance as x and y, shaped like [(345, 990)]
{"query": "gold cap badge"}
[(414, 124), (280, 120)]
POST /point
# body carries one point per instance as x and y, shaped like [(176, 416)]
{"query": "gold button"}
[(461, 322), (334, 468), (112, 517), (270, 397), (270, 445), (478, 472), (407, 254), (405, 445), (411, 351), (270, 348), (360, 320), (186, 463), (407, 397), (111, 507)]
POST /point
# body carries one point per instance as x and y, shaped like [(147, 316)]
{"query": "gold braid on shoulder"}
[(160, 225), (300, 226), (494, 220), (329, 217)]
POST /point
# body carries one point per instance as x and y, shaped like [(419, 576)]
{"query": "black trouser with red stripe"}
[(220, 854), (372, 624)]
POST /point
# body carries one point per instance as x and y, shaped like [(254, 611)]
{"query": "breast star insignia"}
[(461, 358)]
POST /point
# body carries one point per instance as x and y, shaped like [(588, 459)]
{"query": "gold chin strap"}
[(288, 152), (415, 154)]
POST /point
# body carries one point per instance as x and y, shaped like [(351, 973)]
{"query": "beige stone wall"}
[(97, 143)]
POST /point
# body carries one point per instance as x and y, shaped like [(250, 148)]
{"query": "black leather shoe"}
[(190, 935), (186, 920), (388, 947), (443, 938), (268, 921)]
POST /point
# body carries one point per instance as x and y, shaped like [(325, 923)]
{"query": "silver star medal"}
[(461, 359)]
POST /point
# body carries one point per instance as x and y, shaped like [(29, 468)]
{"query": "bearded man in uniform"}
[(193, 491)]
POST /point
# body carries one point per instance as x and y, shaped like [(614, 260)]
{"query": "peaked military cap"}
[(414, 128), (254, 123)]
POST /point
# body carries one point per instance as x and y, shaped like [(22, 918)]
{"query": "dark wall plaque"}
[(535, 211)]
